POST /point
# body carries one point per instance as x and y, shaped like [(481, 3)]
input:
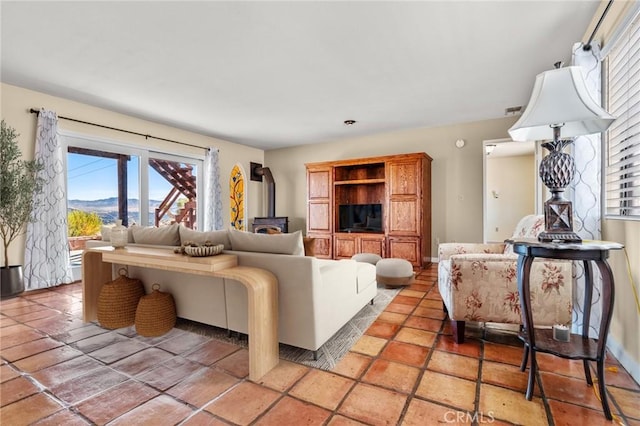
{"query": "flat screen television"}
[(360, 218)]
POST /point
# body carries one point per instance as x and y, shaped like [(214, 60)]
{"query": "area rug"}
[(330, 353)]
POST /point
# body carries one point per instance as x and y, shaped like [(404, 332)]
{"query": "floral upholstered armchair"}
[(478, 282)]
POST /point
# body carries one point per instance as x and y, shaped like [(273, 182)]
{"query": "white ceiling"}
[(278, 74)]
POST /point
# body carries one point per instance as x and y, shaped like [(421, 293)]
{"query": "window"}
[(622, 180)]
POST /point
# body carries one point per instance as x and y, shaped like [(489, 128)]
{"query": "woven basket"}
[(118, 301), (156, 313)]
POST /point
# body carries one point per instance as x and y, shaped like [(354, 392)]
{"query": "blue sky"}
[(95, 178)]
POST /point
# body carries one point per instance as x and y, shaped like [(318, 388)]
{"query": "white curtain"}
[(47, 248), (585, 189), (212, 192)]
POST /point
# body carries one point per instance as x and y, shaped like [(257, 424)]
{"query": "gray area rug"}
[(330, 353)]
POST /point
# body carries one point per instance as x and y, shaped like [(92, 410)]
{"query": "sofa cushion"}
[(265, 243), (200, 237), (163, 236)]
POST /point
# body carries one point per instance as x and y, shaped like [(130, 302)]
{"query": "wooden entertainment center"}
[(376, 205)]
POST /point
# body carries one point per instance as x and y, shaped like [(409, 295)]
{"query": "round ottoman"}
[(394, 272), (366, 258)]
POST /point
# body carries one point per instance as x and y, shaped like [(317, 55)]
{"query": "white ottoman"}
[(394, 272), (366, 258)]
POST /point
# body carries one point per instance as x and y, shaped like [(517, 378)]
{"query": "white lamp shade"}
[(560, 98)]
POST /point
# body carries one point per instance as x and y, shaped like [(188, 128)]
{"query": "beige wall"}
[(17, 101), (513, 178), (456, 172)]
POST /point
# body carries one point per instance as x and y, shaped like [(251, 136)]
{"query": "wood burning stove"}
[(262, 224)]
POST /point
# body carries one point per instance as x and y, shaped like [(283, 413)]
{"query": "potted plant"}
[(19, 181)]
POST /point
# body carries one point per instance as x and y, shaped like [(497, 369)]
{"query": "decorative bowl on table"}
[(200, 251)]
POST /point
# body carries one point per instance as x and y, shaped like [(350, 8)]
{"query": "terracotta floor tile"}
[(399, 308), (506, 375), (7, 373), (416, 337), (283, 375), (511, 406), (30, 348), (47, 359), (202, 386), (431, 304), (374, 405), (73, 335), (64, 417), (170, 373), (448, 390), (6, 321), (160, 410), (423, 413), (289, 408), (32, 316), (619, 377), (141, 361), (553, 364), (183, 343), (85, 386), (629, 401), (392, 317), (405, 300), (157, 340), (16, 311), (108, 405), (54, 326), (423, 323), (454, 365), (99, 341), (568, 389), (503, 353), (236, 364), (118, 351), (338, 420), (352, 365), (26, 334), (382, 329), (322, 388), (392, 375), (203, 418), (243, 403), (565, 414), (212, 352), (470, 347), (66, 370), (430, 313), (369, 345), (405, 353), (29, 410), (16, 389), (412, 293)]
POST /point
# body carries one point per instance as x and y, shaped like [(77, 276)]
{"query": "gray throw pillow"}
[(199, 237), (163, 236), (265, 243)]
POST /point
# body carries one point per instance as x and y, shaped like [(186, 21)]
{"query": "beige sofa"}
[(316, 297)]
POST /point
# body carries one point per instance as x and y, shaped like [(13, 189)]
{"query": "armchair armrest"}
[(446, 250)]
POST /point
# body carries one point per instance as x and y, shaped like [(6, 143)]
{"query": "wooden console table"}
[(580, 346), (262, 291)]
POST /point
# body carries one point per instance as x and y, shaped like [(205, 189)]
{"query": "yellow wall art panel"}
[(237, 195)]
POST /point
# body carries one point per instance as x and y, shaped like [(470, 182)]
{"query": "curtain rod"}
[(587, 46), (36, 111)]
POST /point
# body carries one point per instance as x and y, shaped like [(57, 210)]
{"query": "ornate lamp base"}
[(558, 222)]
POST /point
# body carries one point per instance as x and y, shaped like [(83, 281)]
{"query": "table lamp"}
[(560, 102)]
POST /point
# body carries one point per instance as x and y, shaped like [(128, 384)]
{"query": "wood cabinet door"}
[(404, 177), (373, 244), (319, 184), (345, 246), (323, 245), (319, 217), (406, 248), (404, 216)]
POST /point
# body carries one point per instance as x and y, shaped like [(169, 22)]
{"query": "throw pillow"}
[(264, 243), (163, 236), (309, 246), (199, 237), (105, 232)]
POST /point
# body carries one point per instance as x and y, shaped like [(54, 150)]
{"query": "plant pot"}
[(11, 281)]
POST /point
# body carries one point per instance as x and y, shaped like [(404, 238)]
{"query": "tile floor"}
[(57, 370)]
